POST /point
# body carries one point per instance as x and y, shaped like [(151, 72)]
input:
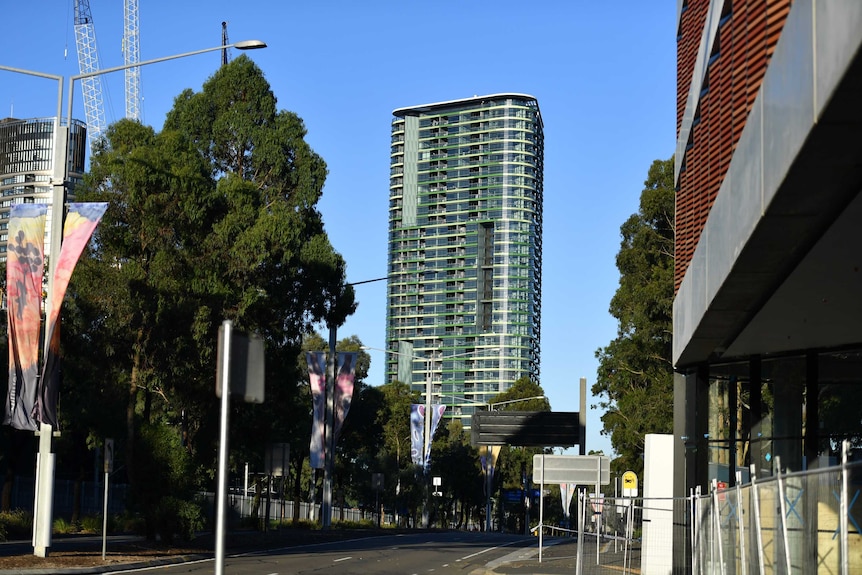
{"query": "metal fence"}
[(239, 506), (804, 522), (91, 499), (792, 523)]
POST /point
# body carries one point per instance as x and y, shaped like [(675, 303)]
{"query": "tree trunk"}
[(297, 488), (6, 499), (77, 491), (131, 432)]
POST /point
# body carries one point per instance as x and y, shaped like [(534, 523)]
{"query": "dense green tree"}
[(457, 463), (515, 464), (635, 375), (522, 395), (212, 218)]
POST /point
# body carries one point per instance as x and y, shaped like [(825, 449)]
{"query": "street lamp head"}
[(249, 45)]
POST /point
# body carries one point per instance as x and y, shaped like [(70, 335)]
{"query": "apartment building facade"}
[(465, 248), (27, 170)]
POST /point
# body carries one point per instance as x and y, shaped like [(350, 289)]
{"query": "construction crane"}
[(131, 55), (88, 62), (224, 42)]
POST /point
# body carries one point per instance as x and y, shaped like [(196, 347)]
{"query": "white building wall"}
[(657, 550)]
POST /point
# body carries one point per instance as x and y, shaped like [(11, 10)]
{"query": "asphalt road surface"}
[(407, 554)]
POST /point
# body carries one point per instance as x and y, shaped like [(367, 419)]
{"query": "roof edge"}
[(408, 110)]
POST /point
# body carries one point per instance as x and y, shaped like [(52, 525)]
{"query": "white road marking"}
[(342, 559), (488, 549)]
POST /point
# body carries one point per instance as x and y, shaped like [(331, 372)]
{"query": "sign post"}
[(578, 469), (109, 468), (630, 484), (240, 368)]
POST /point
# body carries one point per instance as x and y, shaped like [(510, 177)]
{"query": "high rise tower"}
[(465, 248), (27, 165)]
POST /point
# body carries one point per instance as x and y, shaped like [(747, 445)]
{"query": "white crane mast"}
[(88, 61), (131, 55)]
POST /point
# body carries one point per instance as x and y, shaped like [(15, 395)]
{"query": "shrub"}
[(93, 524), (63, 527), (175, 517), (16, 524), (361, 524)]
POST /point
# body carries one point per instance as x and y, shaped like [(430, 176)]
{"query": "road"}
[(407, 554)]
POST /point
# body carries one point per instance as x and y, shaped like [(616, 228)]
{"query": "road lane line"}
[(488, 549), (342, 559)]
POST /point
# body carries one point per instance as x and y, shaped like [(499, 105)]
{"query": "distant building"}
[(465, 247), (27, 166), (768, 307)]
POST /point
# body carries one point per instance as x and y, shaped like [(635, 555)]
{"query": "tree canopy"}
[(635, 375), (212, 218)]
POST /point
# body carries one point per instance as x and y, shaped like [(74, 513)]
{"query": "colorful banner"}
[(489, 461), (436, 415), (343, 389), (417, 432), (24, 271), (81, 221), (317, 379), (342, 398), (567, 490)]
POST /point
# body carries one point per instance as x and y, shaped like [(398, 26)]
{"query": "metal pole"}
[(426, 455), (222, 450), (105, 519), (755, 500), (541, 506), (328, 435), (599, 518), (427, 443), (244, 490), (782, 506), (741, 525), (488, 485), (716, 524), (844, 510)]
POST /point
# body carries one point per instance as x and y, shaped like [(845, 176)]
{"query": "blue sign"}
[(513, 495)]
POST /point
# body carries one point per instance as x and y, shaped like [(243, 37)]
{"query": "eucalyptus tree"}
[(213, 218), (635, 375)]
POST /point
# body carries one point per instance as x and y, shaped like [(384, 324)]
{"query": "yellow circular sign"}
[(630, 484)]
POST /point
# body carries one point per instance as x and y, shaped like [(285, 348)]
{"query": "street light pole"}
[(42, 510)]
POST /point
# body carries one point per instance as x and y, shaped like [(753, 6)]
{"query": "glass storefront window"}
[(840, 401), (784, 398)]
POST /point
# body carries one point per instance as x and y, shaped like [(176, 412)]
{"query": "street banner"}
[(343, 389), (24, 270), (567, 490), (417, 431), (342, 398), (436, 415), (489, 460), (81, 222), (317, 379)]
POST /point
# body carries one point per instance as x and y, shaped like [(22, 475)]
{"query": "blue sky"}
[(604, 74)]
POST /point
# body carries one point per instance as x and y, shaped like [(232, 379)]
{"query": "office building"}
[(465, 248), (767, 311), (27, 167)]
